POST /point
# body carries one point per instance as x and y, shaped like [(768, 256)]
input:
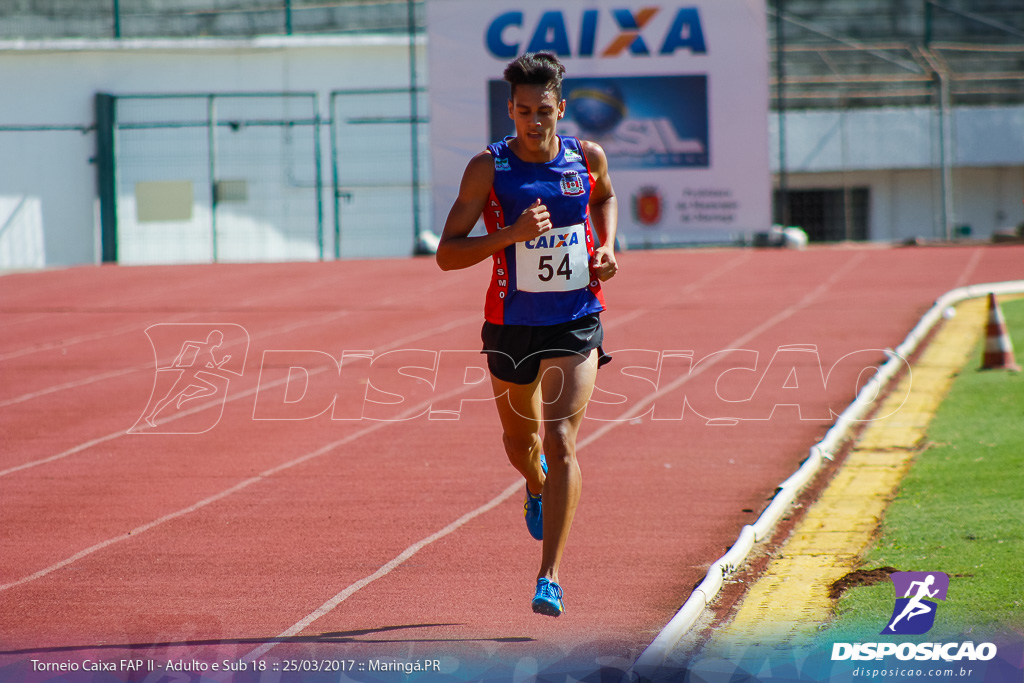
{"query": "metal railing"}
[(225, 176), (206, 18)]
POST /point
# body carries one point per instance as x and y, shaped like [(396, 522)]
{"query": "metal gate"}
[(213, 177), (378, 146)]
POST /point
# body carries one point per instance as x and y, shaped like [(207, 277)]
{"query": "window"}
[(827, 215)]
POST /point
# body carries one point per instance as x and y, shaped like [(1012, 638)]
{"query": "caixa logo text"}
[(597, 33), (555, 241)]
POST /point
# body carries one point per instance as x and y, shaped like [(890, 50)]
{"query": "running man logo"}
[(914, 614), (552, 34), (194, 365)]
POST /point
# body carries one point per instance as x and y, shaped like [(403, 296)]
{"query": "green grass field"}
[(960, 510)]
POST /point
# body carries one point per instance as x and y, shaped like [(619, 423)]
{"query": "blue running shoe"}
[(548, 599), (533, 509)]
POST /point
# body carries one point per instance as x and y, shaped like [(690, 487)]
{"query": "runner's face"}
[(535, 111)]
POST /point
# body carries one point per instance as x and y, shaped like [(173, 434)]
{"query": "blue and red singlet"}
[(547, 280)]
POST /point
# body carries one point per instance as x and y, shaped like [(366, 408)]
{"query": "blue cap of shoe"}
[(548, 598), (533, 508)]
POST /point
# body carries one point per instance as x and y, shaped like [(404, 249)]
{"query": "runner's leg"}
[(519, 409), (565, 395)]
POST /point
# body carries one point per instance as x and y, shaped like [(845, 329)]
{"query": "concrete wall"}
[(907, 203), (188, 18), (54, 83), (896, 154), (50, 171), (859, 139)]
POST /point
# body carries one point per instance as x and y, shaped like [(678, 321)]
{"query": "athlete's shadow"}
[(354, 636)]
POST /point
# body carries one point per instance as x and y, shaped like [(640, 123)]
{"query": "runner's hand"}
[(533, 222), (603, 264)]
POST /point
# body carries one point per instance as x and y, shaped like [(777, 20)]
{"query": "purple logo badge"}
[(914, 611)]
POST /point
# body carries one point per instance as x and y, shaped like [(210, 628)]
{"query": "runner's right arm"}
[(457, 249)]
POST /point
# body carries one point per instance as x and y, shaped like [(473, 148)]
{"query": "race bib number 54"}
[(556, 261)]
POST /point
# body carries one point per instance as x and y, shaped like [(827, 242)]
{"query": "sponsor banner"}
[(675, 93)]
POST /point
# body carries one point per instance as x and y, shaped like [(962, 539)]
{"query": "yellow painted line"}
[(788, 603)]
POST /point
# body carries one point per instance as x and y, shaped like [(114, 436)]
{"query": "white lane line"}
[(31, 318), (73, 385), (214, 403), (681, 294), (386, 569), (85, 381), (238, 487), (640, 406), (399, 559), (148, 366), (394, 344), (121, 432), (686, 291), (63, 454), (969, 269), (70, 341), (104, 376), (277, 469)]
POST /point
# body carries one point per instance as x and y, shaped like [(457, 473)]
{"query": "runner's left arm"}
[(604, 214)]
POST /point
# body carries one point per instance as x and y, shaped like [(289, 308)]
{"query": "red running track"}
[(401, 538)]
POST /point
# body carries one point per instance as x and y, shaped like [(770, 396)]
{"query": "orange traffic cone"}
[(998, 348)]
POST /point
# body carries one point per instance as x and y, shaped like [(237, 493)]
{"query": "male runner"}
[(192, 362), (915, 606), (544, 198)]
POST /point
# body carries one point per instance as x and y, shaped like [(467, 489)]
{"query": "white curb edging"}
[(654, 655)]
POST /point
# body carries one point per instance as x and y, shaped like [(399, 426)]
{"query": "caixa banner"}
[(675, 93)]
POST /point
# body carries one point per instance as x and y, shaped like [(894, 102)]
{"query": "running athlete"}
[(915, 606), (195, 357), (544, 198)]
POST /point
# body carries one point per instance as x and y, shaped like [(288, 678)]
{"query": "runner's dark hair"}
[(535, 68)]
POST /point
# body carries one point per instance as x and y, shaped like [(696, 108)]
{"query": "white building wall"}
[(896, 154), (54, 83), (51, 171), (989, 199), (908, 203), (915, 206)]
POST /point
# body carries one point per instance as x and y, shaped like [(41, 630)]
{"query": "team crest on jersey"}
[(501, 165), (572, 184), (572, 155)]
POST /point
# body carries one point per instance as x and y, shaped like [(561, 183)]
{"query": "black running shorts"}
[(514, 352)]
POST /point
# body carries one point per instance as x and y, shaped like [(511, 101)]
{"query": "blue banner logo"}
[(914, 612)]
